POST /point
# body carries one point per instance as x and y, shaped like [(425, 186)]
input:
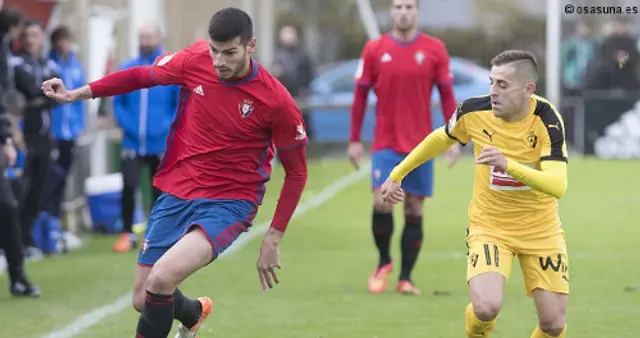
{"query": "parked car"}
[(332, 95)]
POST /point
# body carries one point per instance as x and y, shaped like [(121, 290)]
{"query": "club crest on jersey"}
[(532, 139), (419, 57), (246, 108)]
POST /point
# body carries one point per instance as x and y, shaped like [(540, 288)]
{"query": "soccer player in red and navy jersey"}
[(402, 67), (232, 112)]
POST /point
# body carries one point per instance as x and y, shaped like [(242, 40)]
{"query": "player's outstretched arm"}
[(433, 145), (117, 83), (550, 179)]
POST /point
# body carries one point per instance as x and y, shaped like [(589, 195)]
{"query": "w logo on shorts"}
[(559, 266)]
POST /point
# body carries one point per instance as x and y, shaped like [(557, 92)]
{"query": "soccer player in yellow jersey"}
[(520, 173)]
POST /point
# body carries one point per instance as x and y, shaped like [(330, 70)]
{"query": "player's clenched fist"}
[(392, 192), (492, 156), (55, 90)]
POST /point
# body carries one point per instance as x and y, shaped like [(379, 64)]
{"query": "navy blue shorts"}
[(418, 183), (171, 217)]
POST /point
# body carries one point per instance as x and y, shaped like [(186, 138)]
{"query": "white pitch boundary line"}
[(95, 316)]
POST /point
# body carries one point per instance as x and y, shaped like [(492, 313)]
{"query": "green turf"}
[(328, 254)]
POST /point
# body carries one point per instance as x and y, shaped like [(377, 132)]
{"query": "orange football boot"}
[(406, 287), (207, 308), (124, 243), (378, 281)]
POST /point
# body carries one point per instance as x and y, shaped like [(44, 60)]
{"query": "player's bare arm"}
[(55, 90)]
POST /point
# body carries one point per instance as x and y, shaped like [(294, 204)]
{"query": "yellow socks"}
[(475, 327), (539, 334)]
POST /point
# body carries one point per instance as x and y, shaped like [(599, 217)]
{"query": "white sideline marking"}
[(84, 322)]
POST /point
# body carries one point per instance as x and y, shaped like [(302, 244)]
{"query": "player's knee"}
[(413, 206), (487, 309), (551, 320), (382, 207), (552, 326), (161, 281)]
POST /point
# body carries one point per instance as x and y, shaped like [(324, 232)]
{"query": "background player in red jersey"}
[(402, 67), (217, 163)]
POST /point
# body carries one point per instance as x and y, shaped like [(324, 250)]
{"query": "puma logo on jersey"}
[(490, 136), (556, 125)]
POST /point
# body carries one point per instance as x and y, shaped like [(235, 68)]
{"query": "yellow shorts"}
[(544, 262)]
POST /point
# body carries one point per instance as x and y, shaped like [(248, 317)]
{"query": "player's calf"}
[(382, 227), (412, 235), (551, 308), (139, 294)]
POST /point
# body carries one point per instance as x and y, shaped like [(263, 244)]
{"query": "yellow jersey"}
[(500, 202)]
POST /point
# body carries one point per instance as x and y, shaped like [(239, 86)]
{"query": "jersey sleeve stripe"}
[(306, 142), (555, 128), (446, 131), (476, 103), (472, 104), (554, 158)]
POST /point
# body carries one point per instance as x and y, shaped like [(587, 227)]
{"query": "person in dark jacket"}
[(67, 123), (145, 117), (295, 69), (31, 68), (10, 232)]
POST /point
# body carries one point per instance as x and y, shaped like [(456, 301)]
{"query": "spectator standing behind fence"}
[(294, 69), (145, 117), (613, 82), (577, 52), (10, 232), (31, 67), (617, 60), (67, 123)]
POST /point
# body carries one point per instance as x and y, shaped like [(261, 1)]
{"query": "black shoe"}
[(22, 288)]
